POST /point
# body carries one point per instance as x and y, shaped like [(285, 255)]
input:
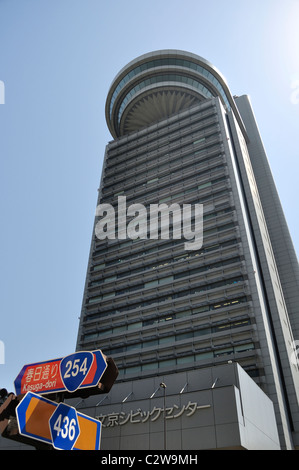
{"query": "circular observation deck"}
[(159, 84)]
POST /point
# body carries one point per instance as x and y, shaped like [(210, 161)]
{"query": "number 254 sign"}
[(78, 370)]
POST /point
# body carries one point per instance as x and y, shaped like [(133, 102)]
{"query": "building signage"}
[(140, 416)]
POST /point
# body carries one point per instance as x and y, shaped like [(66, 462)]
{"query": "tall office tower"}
[(168, 304)]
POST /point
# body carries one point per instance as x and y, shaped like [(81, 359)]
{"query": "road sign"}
[(74, 368), (64, 427), (60, 425), (79, 370)]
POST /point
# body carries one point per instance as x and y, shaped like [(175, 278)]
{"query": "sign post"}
[(33, 415)]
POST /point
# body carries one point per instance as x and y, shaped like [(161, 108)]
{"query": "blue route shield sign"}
[(74, 368), (64, 427)]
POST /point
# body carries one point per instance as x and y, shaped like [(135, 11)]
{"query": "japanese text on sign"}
[(140, 416), (41, 376)]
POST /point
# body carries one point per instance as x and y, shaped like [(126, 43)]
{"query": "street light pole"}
[(162, 385)]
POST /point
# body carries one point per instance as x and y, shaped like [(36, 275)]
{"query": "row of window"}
[(207, 330), (190, 195), (206, 233), (186, 255), (150, 176), (159, 135), (147, 285), (182, 194), (168, 61), (227, 283), (170, 261), (164, 182), (173, 338), (144, 269), (176, 361), (164, 280), (162, 78), (119, 244), (159, 143), (155, 319), (170, 143), (143, 170), (163, 247)]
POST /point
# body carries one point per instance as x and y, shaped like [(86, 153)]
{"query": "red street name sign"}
[(79, 370)]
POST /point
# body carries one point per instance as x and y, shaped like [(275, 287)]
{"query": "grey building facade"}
[(212, 408), (159, 309)]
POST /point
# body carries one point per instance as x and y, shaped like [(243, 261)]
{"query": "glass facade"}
[(159, 304), (169, 78), (170, 61)]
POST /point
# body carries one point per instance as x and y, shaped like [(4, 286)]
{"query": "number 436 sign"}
[(59, 425), (64, 427)]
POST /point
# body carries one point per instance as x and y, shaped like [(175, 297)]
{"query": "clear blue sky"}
[(57, 61)]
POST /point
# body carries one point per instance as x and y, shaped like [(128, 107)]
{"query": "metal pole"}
[(162, 385)]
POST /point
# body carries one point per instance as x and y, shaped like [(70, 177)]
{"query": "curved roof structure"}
[(158, 84)]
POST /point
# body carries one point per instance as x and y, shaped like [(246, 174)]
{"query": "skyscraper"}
[(154, 302)]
